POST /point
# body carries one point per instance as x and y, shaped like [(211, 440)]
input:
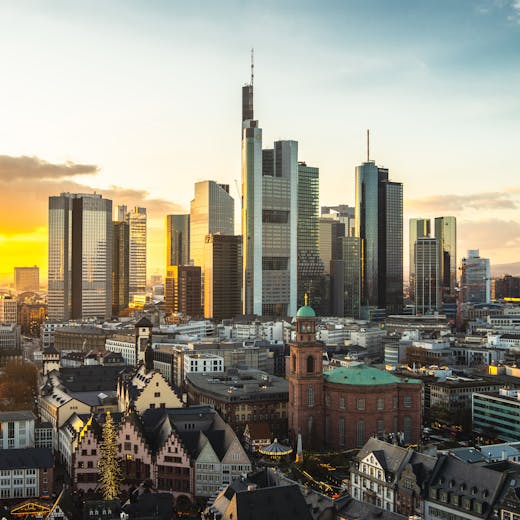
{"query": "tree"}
[(109, 470), (18, 385)]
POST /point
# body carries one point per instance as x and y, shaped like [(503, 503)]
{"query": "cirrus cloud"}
[(496, 200)]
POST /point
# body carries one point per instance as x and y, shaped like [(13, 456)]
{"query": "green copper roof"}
[(305, 312), (360, 375)]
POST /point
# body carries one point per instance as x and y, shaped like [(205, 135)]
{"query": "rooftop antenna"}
[(368, 145), (252, 65)]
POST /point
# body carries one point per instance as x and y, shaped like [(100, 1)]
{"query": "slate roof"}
[(390, 457), (26, 458), (362, 511), (144, 322), (90, 378), (275, 503), (17, 415), (151, 505)]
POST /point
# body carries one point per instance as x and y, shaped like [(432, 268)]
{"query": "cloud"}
[(25, 167), (497, 239), (484, 200)]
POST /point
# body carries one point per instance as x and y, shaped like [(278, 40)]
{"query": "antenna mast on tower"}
[(252, 65), (368, 145)]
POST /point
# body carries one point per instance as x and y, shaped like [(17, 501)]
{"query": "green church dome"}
[(305, 312)]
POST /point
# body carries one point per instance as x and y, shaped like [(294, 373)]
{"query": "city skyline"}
[(442, 112)]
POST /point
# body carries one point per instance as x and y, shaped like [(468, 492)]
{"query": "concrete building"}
[(497, 412), (80, 257), (418, 228), (427, 276), (17, 430), (182, 290), (27, 279), (202, 364), (8, 310)]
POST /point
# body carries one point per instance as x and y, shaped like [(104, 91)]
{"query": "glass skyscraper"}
[(379, 223), (310, 265), (475, 278), (419, 228), (137, 250), (427, 276), (446, 234), (120, 267), (269, 219), (80, 257), (352, 276), (177, 240)]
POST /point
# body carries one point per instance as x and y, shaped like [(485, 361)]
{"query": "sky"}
[(137, 100)]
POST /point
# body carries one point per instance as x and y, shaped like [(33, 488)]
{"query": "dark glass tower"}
[(379, 223), (120, 267), (177, 239)]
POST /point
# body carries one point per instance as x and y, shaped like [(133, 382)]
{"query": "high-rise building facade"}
[(475, 278), (182, 290), (427, 276), (222, 277), (379, 223), (419, 228), (269, 219), (177, 239), (212, 210), (310, 265), (351, 252), (331, 232), (137, 221), (27, 279), (120, 267), (8, 310), (446, 234), (80, 256), (343, 213)]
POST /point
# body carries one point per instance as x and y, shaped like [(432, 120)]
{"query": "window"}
[(380, 403), (407, 401), (293, 357), (157, 394), (360, 404), (407, 428), (342, 403), (310, 365), (341, 431), (327, 400), (360, 433), (380, 427), (310, 396)]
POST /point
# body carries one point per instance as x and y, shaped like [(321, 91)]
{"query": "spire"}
[(306, 299), (252, 65), (368, 145)]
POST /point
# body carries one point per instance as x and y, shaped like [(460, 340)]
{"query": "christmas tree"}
[(109, 470)]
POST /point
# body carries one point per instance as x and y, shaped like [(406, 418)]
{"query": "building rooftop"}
[(19, 415), (26, 458), (306, 312), (361, 375)]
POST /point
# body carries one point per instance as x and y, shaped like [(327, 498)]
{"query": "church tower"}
[(306, 382)]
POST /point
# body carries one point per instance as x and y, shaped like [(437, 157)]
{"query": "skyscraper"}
[(427, 276), (80, 256), (182, 290), (212, 210), (137, 251), (222, 277), (177, 239), (475, 278), (379, 223), (120, 267), (446, 234), (310, 265), (27, 279), (269, 219), (419, 228), (352, 276), (343, 213)]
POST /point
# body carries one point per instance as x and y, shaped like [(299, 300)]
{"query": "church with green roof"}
[(343, 407)]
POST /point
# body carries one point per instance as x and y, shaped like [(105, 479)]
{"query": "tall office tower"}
[(122, 210), (280, 229), (177, 239), (80, 256), (120, 267), (269, 219), (343, 213), (8, 310), (379, 223), (446, 234), (27, 279), (331, 232), (222, 276), (419, 228), (427, 276), (310, 265), (475, 278), (137, 249), (211, 211), (351, 249), (182, 290)]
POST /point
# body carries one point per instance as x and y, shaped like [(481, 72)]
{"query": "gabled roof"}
[(390, 457), (144, 322)]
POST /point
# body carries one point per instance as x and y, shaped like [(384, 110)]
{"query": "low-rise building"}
[(497, 414), (203, 363), (243, 397), (17, 429)]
